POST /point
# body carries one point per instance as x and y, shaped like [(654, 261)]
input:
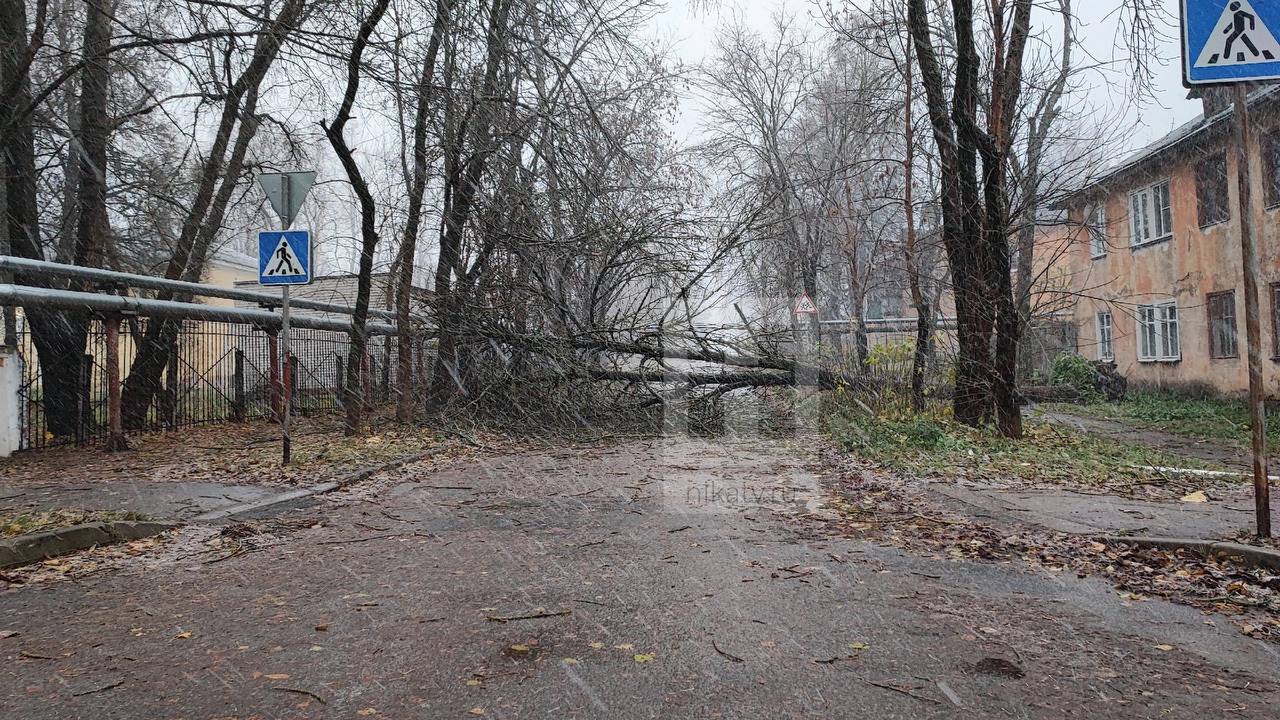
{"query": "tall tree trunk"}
[(353, 400), (409, 242), (976, 226), (218, 179), (924, 315), (464, 182), (58, 339)]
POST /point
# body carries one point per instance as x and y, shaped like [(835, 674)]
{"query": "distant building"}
[(1156, 257), (337, 290)]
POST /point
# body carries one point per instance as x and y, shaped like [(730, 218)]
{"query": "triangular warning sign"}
[(1239, 38), (284, 261), (805, 306)]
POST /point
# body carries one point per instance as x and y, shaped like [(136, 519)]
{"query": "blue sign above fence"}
[(284, 257), (1230, 41)]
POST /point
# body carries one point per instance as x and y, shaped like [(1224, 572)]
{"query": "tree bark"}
[(59, 338), (464, 185), (409, 242), (353, 400), (204, 219)]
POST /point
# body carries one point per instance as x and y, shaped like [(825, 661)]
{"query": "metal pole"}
[(1252, 314), (286, 188), (287, 405), (115, 432)]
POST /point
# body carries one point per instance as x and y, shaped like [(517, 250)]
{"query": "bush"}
[(1077, 372)]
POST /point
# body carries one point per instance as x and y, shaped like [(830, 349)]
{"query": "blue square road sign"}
[(284, 257), (1230, 41)]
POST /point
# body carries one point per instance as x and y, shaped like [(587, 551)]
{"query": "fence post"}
[(340, 379), (273, 359), (171, 382), (237, 388), (115, 425), (295, 387), (367, 364), (84, 401)]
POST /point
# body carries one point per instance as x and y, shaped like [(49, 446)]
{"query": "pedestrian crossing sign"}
[(1230, 41), (284, 257)]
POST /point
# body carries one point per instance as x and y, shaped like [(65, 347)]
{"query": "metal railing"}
[(217, 372)]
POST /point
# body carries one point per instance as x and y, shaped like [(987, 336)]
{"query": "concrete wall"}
[(1194, 263), (10, 376)]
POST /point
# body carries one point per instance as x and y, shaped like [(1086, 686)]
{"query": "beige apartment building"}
[(1157, 263)]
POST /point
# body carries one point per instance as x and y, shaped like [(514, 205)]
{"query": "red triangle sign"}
[(805, 306)]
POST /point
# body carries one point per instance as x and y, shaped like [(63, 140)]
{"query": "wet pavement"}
[(1225, 513), (652, 579)]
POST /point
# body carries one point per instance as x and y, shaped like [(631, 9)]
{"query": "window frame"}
[(1216, 162), (1096, 227), (1270, 142), (1213, 303), (1105, 334), (1275, 321), (1154, 324), (1151, 224)]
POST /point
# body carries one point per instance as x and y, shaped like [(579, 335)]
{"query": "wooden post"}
[(367, 368), (237, 388), (116, 441), (273, 352), (1252, 313), (84, 401), (340, 378), (295, 384)]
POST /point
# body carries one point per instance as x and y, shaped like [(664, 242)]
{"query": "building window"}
[(1271, 167), (1222, 325), (1106, 350), (1158, 332), (1150, 214), (1097, 226), (1212, 204), (1275, 321)]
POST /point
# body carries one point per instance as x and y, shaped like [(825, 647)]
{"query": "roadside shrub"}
[(1077, 372)]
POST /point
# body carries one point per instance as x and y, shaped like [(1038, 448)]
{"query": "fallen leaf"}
[(278, 676), (366, 712), (1195, 497), (597, 646), (570, 661), (473, 682), (643, 657), (1165, 648), (185, 635), (520, 647), (476, 711), (625, 646), (859, 646)]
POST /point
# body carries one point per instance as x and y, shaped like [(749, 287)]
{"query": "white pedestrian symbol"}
[(1239, 38), (284, 262)]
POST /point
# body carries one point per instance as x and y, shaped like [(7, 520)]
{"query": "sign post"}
[(1233, 42), (284, 259)]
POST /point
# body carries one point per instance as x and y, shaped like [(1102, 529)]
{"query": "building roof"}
[(1183, 136)]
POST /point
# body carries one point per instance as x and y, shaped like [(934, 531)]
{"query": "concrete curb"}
[(34, 547), (230, 513), (1245, 554)]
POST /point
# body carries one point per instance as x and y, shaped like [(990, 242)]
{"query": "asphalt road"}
[(674, 579)]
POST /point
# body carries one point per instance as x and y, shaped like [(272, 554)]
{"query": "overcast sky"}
[(1100, 32)]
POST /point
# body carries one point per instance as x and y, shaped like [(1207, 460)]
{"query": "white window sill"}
[(1160, 360), (1156, 241)]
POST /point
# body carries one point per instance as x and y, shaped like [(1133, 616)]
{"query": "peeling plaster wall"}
[(1194, 263)]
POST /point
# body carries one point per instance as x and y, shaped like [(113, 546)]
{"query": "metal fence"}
[(217, 372)]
